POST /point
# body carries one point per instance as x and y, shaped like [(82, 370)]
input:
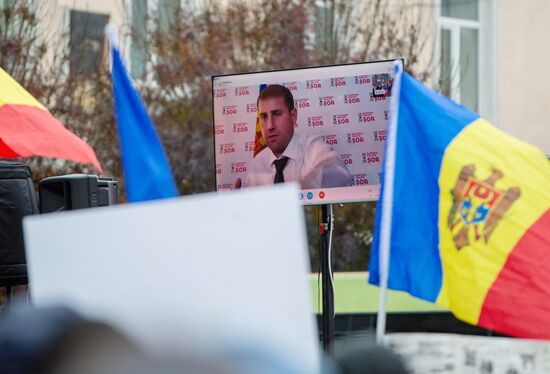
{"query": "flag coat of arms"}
[(469, 223)]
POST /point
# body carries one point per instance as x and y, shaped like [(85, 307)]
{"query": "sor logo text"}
[(365, 117), (326, 101), (371, 158), (228, 110), (356, 138), (218, 130), (249, 146), (301, 103), (251, 108), (362, 79), (227, 148), (330, 139), (380, 136), (360, 179), (292, 86), (337, 82), (221, 92), (240, 127), (347, 158), (352, 99), (218, 169), (315, 121), (225, 186), (313, 84), (238, 167), (340, 119), (377, 98), (242, 91)]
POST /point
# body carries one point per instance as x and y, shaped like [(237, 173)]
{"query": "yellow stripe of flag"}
[(12, 93), (489, 158)]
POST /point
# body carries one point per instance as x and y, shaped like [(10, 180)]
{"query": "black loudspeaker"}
[(17, 199), (76, 191), (108, 191)]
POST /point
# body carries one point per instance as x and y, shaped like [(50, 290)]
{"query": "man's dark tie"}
[(279, 166)]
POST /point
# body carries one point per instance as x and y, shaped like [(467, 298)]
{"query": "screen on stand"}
[(331, 133)]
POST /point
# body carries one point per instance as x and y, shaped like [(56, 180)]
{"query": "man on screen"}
[(309, 161)]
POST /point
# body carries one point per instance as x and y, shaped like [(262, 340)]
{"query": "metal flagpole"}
[(387, 202)]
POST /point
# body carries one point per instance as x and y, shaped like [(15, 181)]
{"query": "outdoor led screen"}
[(346, 106)]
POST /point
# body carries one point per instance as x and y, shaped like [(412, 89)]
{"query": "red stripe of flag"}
[(518, 302), (30, 131)]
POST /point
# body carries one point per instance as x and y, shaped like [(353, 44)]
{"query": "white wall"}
[(524, 81)]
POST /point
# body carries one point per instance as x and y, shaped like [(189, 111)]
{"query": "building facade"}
[(486, 54), (487, 50)]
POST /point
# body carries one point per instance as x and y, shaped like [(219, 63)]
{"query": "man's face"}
[(277, 123)]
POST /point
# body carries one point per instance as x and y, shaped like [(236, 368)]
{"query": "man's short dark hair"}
[(277, 90)]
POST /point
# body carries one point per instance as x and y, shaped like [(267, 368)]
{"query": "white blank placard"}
[(180, 273)]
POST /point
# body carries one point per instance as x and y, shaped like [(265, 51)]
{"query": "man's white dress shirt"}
[(312, 162)]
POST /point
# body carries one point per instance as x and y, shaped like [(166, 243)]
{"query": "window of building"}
[(139, 33), (459, 39), (86, 42), (142, 12), (467, 42), (167, 11)]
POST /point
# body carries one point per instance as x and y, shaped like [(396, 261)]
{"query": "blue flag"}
[(147, 172)]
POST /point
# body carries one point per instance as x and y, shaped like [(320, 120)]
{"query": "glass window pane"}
[(139, 32), (167, 11), (469, 66), (8, 26), (466, 9), (86, 41), (445, 70)]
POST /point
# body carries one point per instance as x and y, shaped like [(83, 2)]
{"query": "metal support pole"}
[(327, 286)]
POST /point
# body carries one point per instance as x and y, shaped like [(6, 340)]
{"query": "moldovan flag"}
[(28, 129), (259, 141), (469, 215)]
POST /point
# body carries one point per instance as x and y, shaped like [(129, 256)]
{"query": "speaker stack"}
[(76, 191), (18, 199)]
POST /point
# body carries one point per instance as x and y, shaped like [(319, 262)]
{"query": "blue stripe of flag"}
[(427, 123)]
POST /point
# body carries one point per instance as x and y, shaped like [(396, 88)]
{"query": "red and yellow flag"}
[(28, 129)]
